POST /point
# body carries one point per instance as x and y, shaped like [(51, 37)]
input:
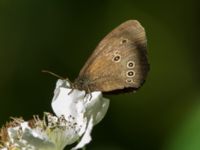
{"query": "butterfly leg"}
[(70, 91), (89, 92), (71, 85)]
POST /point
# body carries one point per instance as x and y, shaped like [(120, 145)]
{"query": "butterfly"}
[(119, 63)]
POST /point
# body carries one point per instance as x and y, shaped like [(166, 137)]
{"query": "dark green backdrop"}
[(60, 35)]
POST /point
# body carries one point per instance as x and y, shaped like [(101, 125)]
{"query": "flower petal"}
[(86, 137)]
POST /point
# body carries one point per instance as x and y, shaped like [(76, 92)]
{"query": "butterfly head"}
[(82, 83)]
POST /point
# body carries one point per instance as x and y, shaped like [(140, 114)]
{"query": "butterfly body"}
[(118, 63)]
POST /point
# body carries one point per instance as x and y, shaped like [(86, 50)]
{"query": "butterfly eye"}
[(131, 64), (116, 58), (130, 73)]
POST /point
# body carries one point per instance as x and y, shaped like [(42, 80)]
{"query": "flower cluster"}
[(76, 114)]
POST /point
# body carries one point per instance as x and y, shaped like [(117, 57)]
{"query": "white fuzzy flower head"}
[(76, 114)]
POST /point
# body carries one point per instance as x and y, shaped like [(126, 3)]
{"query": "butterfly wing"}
[(119, 61)]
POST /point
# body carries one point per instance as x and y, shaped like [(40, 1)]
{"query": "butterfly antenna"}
[(53, 74)]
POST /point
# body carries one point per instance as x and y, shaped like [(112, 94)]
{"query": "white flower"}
[(84, 110), (76, 112)]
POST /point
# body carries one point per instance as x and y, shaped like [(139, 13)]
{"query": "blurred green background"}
[(60, 35)]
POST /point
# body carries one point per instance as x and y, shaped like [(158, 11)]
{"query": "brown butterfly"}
[(119, 62)]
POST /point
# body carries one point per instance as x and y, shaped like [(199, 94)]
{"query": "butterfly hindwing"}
[(119, 61)]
